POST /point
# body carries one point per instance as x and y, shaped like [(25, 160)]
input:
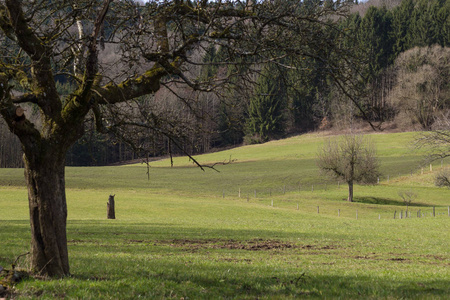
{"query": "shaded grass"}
[(328, 258), (384, 201)]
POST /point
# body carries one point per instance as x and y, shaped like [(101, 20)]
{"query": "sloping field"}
[(266, 225)]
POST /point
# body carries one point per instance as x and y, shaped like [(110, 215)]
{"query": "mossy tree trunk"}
[(44, 160), (48, 213), (45, 146)]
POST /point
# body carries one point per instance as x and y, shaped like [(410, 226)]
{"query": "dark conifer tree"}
[(266, 109), (375, 37), (423, 31), (401, 22), (443, 19)]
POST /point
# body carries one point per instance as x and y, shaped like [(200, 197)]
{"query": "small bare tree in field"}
[(351, 158), (408, 197), (437, 143)]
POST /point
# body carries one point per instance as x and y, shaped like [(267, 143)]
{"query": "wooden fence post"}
[(110, 208)]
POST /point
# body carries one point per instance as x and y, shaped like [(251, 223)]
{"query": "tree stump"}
[(111, 214)]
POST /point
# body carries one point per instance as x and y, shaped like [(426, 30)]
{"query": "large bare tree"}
[(116, 52), (351, 158)]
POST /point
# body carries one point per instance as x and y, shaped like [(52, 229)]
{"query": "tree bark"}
[(350, 191), (110, 207), (48, 213)]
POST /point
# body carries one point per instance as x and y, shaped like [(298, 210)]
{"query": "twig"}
[(17, 259)]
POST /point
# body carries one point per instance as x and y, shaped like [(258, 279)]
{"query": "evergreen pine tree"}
[(424, 31), (375, 36), (443, 19), (231, 123), (265, 113), (401, 23)]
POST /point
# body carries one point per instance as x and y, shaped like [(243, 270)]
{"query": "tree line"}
[(404, 83)]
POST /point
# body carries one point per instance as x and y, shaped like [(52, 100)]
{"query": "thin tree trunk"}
[(111, 213), (48, 213), (350, 191)]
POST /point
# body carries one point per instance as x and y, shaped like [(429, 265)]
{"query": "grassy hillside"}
[(187, 234)]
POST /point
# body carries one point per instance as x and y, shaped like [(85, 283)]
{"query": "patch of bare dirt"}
[(251, 245), (436, 257), (398, 259)]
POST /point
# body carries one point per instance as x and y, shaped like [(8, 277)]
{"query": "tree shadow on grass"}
[(160, 261), (386, 201), (245, 281)]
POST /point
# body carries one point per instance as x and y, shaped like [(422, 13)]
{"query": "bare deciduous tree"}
[(408, 197), (351, 158), (159, 44), (443, 178), (437, 144), (422, 86)]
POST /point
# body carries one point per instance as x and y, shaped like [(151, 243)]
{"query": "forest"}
[(404, 85)]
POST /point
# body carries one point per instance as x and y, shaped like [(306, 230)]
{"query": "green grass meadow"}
[(266, 226)]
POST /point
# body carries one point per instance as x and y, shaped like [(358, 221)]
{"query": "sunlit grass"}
[(187, 234)]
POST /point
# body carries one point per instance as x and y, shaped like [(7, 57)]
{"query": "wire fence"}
[(350, 212), (293, 192)]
